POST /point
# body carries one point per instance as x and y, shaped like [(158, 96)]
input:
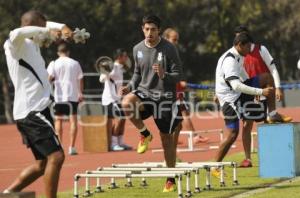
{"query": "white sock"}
[(142, 129), (120, 140), (72, 149), (272, 113), (114, 140)]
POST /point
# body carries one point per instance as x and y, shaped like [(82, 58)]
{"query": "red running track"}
[(14, 156)]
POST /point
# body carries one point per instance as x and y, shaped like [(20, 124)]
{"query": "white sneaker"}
[(126, 147), (72, 151), (6, 191), (117, 148), (122, 144)]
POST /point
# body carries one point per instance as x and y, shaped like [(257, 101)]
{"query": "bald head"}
[(33, 18)]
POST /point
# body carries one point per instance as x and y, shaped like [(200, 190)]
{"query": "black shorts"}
[(257, 109), (244, 108), (65, 108), (166, 114), (114, 110), (38, 133)]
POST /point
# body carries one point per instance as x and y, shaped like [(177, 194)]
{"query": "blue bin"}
[(279, 150)]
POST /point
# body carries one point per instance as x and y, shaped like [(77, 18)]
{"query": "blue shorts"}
[(252, 82)]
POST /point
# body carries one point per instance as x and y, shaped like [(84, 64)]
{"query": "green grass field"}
[(290, 189), (248, 179)]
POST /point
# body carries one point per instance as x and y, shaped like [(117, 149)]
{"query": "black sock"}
[(145, 133), (171, 179)]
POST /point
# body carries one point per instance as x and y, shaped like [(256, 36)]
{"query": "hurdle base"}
[(113, 186), (222, 184), (98, 189), (188, 194), (128, 185), (208, 187), (87, 193), (144, 184), (180, 196), (197, 190), (235, 183), (18, 195)]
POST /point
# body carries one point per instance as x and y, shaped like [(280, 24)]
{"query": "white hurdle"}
[(162, 167), (191, 147), (206, 165), (129, 174), (138, 170), (213, 164)]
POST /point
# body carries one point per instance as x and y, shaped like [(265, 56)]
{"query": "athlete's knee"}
[(127, 100), (247, 126), (73, 127), (178, 128), (233, 136), (166, 138), (58, 125), (41, 166), (129, 103), (57, 158)]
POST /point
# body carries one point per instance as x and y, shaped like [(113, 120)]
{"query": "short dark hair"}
[(240, 29), (119, 52), (31, 17), (243, 28), (242, 38), (63, 48), (152, 19)]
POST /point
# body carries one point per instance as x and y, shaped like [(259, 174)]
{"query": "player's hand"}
[(80, 97), (124, 91), (268, 91), (157, 68), (55, 34), (278, 94), (215, 99), (66, 33)]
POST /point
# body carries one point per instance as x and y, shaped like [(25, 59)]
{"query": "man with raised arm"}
[(32, 98)]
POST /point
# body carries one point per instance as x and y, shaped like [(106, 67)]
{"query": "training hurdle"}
[(185, 171), (128, 174), (205, 165), (191, 147), (208, 165), (161, 166), (221, 165)]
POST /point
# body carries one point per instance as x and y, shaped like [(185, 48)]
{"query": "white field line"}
[(261, 190)]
